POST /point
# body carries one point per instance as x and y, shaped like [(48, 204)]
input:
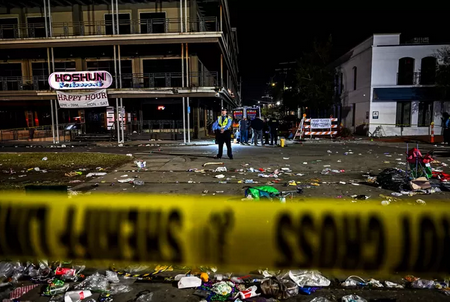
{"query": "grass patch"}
[(61, 161)]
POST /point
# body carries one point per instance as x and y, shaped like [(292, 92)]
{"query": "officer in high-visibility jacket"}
[(222, 129)]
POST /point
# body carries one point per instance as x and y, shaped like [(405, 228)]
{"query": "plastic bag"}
[(144, 296), (281, 288), (427, 284), (309, 278), (393, 179), (222, 288), (95, 282), (353, 298), (119, 288), (112, 277), (320, 299)]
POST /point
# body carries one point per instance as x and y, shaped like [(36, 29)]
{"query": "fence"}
[(104, 27), (320, 127), (41, 133)]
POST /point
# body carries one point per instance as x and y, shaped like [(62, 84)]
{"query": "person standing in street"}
[(273, 129), (31, 133), (244, 126), (222, 129), (446, 128), (266, 131), (257, 130)]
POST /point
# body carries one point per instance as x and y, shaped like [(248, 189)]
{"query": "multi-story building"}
[(384, 83), (172, 62)]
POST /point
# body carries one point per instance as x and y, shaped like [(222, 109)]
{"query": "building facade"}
[(174, 63), (384, 83)]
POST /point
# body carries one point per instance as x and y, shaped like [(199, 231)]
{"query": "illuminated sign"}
[(160, 107), (80, 80)]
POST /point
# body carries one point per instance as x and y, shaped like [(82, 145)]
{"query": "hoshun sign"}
[(80, 80)]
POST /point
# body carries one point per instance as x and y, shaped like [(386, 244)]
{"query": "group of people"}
[(262, 131)]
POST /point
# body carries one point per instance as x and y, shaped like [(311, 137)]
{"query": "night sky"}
[(275, 31)]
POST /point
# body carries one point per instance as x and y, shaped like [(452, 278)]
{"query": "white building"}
[(382, 82)]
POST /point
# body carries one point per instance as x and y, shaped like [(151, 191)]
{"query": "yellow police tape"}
[(242, 236)]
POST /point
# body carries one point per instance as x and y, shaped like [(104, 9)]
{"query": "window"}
[(355, 77), (403, 113), (406, 71), (152, 23), (40, 73), (125, 24), (65, 66), (37, 26), (8, 28), (425, 114), (428, 71)]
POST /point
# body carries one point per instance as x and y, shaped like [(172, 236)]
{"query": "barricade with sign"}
[(320, 127), (229, 234)]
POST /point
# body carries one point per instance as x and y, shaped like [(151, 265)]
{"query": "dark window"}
[(8, 28), (355, 77), (108, 65), (36, 26), (428, 71), (40, 74), (124, 24), (152, 23), (341, 83), (353, 114), (11, 75), (406, 71), (403, 113), (65, 66), (425, 114)]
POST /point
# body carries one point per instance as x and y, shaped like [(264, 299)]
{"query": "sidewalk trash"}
[(352, 298), (326, 171), (258, 192), (320, 299), (95, 282), (423, 284), (220, 169), (126, 180), (140, 164), (189, 282), (420, 183), (222, 288), (249, 293), (280, 287), (138, 182), (308, 290), (360, 197), (76, 296), (124, 176), (112, 277), (353, 281), (20, 291), (309, 278), (44, 159), (392, 179), (56, 287), (204, 277), (95, 174), (389, 284), (213, 163), (129, 155), (374, 283), (420, 202), (220, 176), (118, 288), (144, 296), (396, 194)]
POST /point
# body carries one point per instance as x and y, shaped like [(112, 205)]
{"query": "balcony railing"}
[(130, 80), (102, 27), (416, 78)]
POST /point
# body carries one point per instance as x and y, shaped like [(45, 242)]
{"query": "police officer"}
[(273, 129), (222, 129)]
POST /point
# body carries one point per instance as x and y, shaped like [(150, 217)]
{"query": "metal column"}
[(221, 71), (113, 19), (181, 29), (221, 18), (187, 98), (183, 98), (185, 15), (121, 99), (57, 131)]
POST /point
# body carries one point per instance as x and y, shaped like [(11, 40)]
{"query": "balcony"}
[(415, 78), (129, 81), (102, 27)]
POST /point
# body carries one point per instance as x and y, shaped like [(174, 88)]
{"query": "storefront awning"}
[(405, 94)]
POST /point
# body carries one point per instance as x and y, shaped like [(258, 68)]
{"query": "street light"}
[(278, 103)]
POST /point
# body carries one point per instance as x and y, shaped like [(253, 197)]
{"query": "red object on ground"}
[(62, 271), (441, 176)]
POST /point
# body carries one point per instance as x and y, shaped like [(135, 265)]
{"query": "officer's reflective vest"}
[(224, 123)]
